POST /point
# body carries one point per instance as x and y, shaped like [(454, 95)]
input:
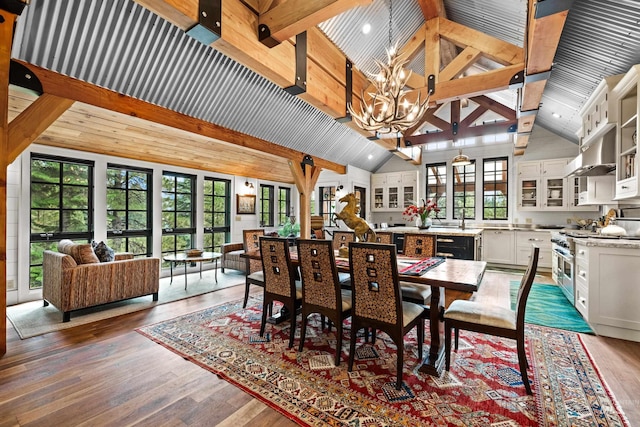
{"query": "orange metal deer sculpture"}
[(360, 227)]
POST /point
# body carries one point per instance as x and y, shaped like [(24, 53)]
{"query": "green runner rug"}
[(547, 306)]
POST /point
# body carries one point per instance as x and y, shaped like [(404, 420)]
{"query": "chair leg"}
[(292, 333), (522, 361), (420, 333), (352, 345), (338, 343), (265, 304), (457, 337), (400, 347), (303, 331), (246, 295), (447, 344)]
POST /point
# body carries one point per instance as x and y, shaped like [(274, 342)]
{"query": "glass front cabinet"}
[(626, 93), (394, 191)]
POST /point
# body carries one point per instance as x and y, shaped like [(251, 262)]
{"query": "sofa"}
[(74, 278)]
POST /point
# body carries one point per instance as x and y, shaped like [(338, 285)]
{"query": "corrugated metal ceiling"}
[(124, 47)]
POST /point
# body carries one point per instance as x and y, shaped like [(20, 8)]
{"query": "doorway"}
[(361, 197)]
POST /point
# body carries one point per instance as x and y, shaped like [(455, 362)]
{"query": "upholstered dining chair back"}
[(385, 237), (279, 276), (419, 245), (342, 238), (321, 288), (279, 281), (374, 283), (377, 301), (251, 242)]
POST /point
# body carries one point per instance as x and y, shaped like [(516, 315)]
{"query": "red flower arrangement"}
[(412, 212)]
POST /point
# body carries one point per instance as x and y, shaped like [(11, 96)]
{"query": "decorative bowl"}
[(193, 252)]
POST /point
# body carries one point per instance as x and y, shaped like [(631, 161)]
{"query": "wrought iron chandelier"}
[(389, 110)]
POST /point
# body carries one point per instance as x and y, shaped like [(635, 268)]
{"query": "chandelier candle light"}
[(389, 110), (421, 214)]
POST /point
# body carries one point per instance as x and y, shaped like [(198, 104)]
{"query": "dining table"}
[(449, 279)]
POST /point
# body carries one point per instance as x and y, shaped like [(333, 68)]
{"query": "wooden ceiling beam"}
[(296, 16), (495, 106), (34, 120), (67, 87), (493, 48), (466, 132), (460, 64)]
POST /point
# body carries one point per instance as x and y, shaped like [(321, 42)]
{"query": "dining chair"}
[(255, 276), (417, 245), (384, 237), (342, 238), (377, 302), (493, 319), (280, 282), (321, 290)]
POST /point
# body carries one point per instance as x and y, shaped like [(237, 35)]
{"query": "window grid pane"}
[(464, 183), (178, 199), (327, 203), (217, 217), (437, 186), (495, 188), (284, 205), (266, 205)]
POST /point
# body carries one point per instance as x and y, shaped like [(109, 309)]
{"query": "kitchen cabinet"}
[(599, 112), (596, 190), (606, 295), (541, 238), (458, 247), (626, 94), (498, 246), (394, 191), (549, 190)]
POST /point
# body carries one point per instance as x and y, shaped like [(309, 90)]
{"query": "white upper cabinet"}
[(626, 95), (394, 191), (599, 112)]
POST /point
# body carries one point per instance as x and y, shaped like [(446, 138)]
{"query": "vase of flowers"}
[(421, 214)]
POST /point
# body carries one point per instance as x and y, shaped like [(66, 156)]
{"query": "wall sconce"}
[(340, 187), (248, 187)]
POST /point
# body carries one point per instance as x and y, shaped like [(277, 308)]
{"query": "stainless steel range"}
[(563, 250), (562, 269)]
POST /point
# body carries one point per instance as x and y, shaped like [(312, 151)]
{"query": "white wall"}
[(18, 207), (354, 177)]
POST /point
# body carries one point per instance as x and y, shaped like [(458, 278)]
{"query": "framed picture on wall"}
[(246, 204)]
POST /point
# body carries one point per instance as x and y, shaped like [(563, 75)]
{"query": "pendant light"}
[(460, 159)]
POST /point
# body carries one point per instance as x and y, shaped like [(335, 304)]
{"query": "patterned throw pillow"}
[(104, 252), (83, 254)]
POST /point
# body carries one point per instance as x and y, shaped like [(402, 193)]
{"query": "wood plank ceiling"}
[(116, 48)]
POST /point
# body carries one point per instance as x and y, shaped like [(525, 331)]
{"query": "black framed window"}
[(327, 203), (266, 205), (437, 186), (464, 191), (61, 207), (495, 187), (217, 213), (129, 209), (178, 219), (284, 205)]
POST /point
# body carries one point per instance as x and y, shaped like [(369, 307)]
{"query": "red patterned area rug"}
[(483, 388)]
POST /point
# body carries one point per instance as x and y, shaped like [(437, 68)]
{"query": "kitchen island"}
[(451, 242), (607, 292)]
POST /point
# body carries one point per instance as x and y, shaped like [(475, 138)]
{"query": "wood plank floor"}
[(105, 373)]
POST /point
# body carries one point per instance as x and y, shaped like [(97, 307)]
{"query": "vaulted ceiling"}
[(185, 101)]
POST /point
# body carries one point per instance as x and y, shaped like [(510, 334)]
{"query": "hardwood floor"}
[(105, 373)]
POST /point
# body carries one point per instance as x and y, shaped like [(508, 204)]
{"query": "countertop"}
[(445, 231), (608, 243)]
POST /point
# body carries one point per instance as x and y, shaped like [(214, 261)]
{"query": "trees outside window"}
[(61, 207), (284, 205), (129, 210), (495, 186), (178, 200), (464, 191), (217, 213), (266, 205), (437, 186)]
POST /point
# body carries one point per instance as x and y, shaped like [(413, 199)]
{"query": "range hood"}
[(597, 159)]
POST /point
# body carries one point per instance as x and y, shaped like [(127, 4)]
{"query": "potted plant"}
[(421, 213)]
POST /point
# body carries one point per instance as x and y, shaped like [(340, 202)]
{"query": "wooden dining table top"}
[(458, 274)]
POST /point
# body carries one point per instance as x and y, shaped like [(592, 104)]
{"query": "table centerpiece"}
[(422, 214)]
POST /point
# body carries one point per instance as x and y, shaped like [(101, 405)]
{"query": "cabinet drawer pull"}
[(624, 187), (582, 274), (444, 254), (582, 300), (581, 252), (535, 240), (446, 240)]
